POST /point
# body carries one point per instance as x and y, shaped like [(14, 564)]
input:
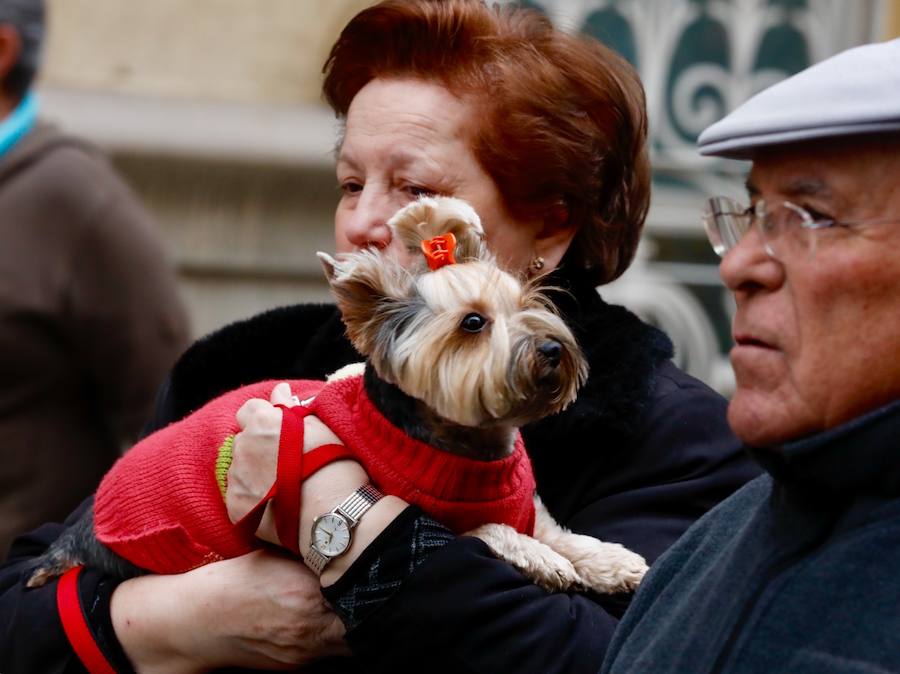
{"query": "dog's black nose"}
[(551, 350)]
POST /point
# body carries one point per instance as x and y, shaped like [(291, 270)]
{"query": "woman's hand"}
[(255, 459), (260, 611), (253, 469)]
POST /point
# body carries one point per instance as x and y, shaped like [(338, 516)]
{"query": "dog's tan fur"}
[(476, 388)]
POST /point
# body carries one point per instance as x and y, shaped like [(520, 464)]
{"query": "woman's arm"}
[(460, 609), (466, 611), (420, 597), (253, 470), (437, 615), (261, 611)]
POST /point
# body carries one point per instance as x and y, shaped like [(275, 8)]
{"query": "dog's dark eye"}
[(473, 322)]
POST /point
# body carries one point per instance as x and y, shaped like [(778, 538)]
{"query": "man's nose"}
[(749, 265), (368, 224)]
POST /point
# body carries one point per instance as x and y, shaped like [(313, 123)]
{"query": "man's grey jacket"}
[(799, 571)]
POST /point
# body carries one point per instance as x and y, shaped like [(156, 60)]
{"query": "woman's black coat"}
[(641, 454)]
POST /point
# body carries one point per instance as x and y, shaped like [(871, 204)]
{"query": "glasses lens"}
[(784, 228), (726, 222)]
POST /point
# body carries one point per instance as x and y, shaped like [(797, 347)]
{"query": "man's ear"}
[(366, 286)]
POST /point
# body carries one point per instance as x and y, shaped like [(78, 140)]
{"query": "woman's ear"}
[(555, 235), (557, 214)]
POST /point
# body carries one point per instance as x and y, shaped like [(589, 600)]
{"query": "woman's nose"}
[(367, 226)]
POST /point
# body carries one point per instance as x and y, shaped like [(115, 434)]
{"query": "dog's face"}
[(472, 342)]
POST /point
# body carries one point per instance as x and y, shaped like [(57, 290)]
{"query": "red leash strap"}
[(321, 456), (293, 468), (249, 523), (289, 478), (75, 625), (285, 491)]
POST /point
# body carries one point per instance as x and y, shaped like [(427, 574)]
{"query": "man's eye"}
[(473, 322), (819, 218), (351, 187)]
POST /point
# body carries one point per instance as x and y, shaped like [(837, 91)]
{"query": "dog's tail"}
[(79, 546)]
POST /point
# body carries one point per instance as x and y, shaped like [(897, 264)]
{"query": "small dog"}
[(459, 354)]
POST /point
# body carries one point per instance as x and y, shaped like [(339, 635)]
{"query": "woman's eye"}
[(350, 187), (418, 191), (473, 322)]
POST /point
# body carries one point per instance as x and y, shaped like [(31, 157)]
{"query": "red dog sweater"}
[(161, 508)]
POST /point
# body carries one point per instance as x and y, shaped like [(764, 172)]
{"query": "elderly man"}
[(798, 571), (90, 317)]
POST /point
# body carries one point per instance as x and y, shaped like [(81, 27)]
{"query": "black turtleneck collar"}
[(623, 353), (862, 455)]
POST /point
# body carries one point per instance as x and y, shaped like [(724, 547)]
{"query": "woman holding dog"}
[(544, 134)]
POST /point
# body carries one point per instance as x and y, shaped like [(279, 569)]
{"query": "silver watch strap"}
[(315, 560), (359, 502), (352, 509)]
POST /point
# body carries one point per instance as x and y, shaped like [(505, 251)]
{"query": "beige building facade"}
[(211, 108), (251, 51)]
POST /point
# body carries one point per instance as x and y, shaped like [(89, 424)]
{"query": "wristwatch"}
[(332, 531)]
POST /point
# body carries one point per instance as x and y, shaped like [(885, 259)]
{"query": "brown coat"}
[(90, 321)]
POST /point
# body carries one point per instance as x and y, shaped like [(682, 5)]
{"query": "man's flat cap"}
[(854, 92)]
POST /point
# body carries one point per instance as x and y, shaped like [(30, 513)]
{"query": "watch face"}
[(331, 535)]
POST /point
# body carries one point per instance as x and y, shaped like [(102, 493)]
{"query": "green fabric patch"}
[(223, 463)]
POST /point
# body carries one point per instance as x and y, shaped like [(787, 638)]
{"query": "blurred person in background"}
[(90, 316), (797, 571)]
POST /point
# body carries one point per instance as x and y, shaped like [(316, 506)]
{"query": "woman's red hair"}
[(565, 122)]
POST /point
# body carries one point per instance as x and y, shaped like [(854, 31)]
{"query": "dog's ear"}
[(432, 216), (367, 288), (330, 265)]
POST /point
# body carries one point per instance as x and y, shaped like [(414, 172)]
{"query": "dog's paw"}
[(538, 562), (604, 567)]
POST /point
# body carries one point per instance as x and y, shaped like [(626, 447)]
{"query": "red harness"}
[(294, 466)]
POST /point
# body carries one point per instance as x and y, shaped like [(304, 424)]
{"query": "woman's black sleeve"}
[(422, 600), (31, 634), (451, 606)]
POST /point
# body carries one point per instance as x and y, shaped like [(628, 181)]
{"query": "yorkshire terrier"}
[(459, 354)]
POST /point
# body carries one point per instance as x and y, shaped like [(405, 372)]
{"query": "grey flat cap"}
[(854, 92)]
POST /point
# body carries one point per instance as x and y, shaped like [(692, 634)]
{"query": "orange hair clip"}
[(439, 250)]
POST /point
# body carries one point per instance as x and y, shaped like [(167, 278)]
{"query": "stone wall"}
[(228, 50), (211, 109)]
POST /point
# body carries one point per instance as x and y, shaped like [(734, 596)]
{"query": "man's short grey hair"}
[(27, 17)]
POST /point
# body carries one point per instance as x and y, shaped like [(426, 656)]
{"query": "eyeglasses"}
[(785, 230)]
